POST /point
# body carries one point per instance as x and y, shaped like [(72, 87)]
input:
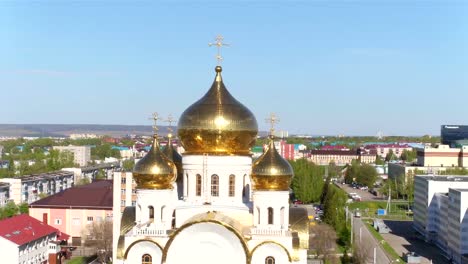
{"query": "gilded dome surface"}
[(217, 123), (175, 157), (271, 172), (155, 170)]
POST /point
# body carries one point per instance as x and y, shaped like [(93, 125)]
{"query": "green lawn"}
[(80, 260), (398, 210), (77, 260)]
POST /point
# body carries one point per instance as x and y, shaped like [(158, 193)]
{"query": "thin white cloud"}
[(54, 72)]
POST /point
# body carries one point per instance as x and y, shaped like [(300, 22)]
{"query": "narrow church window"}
[(270, 260), (258, 212), (270, 215), (147, 259), (151, 212), (187, 185), (163, 209), (198, 189), (214, 185), (282, 216), (232, 185)]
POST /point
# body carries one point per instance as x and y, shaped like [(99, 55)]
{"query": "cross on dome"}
[(155, 118), (219, 44), (170, 120), (272, 119)]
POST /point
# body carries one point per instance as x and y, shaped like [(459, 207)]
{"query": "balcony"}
[(149, 231), (269, 232)]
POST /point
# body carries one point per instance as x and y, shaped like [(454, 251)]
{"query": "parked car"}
[(296, 201)]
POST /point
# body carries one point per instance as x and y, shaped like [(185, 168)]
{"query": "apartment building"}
[(82, 154)]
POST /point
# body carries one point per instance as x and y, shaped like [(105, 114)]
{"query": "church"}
[(212, 204)]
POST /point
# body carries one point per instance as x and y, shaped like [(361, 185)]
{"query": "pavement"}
[(403, 239)]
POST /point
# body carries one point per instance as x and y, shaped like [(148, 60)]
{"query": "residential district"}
[(211, 190)]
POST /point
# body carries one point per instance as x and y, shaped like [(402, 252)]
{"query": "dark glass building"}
[(454, 135)]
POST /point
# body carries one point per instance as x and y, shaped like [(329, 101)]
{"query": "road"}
[(365, 195), (367, 242)]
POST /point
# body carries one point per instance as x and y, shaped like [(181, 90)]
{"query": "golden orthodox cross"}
[(273, 119), (219, 44), (155, 118), (170, 120)]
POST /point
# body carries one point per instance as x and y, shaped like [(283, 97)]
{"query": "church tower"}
[(213, 204), (155, 175), (217, 133)]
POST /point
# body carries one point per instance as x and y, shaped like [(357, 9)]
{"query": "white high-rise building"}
[(219, 206), (82, 154), (440, 213)]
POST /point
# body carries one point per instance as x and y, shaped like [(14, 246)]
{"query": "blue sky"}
[(324, 67)]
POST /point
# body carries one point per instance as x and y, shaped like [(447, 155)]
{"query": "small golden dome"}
[(175, 157), (217, 123), (271, 172), (155, 170)]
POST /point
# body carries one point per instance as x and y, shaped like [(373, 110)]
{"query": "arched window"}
[(270, 215), (270, 260), (282, 216), (163, 209), (214, 185), (198, 185), (186, 185), (151, 212), (147, 259), (258, 212), (232, 185)]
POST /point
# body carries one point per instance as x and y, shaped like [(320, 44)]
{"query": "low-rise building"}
[(440, 213), (81, 154), (383, 149), (24, 239), (73, 210), (341, 157), (442, 156), (30, 188)]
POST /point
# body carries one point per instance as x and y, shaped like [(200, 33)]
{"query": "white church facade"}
[(213, 204)]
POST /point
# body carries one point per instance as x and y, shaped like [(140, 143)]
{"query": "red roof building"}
[(24, 239), (73, 210)]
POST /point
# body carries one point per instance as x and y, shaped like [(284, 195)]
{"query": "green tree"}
[(23, 208), (307, 183), (334, 208), (331, 167), (390, 156), (379, 160), (10, 209), (352, 172), (367, 175), (128, 164), (408, 155)]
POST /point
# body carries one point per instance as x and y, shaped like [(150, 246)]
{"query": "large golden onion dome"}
[(271, 172), (217, 123), (155, 170), (175, 157)]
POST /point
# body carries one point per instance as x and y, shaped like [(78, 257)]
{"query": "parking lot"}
[(365, 195)]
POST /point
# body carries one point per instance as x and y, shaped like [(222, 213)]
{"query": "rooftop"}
[(41, 176), (96, 195), (453, 178), (22, 229)]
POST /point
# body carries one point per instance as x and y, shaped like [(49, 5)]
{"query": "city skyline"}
[(325, 68)]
